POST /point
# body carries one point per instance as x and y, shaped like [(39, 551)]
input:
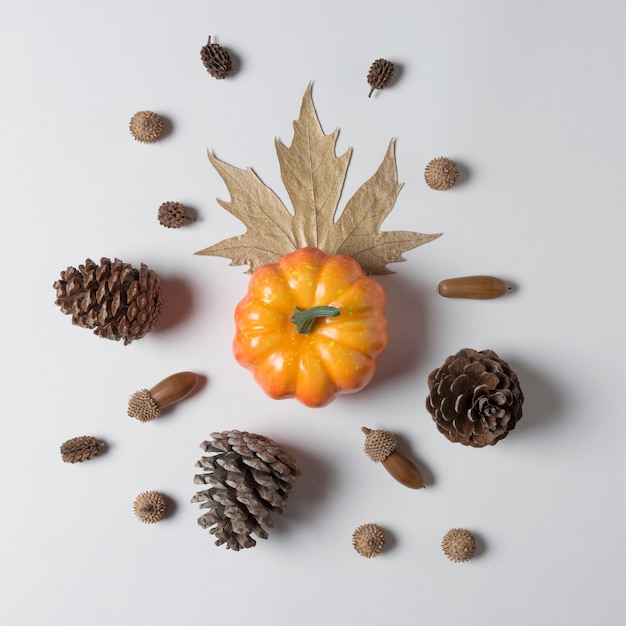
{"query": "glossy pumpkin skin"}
[(339, 355)]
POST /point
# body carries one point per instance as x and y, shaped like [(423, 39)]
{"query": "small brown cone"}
[(146, 126), (80, 449), (112, 298), (368, 540), (458, 545), (216, 60), (173, 215), (150, 507)]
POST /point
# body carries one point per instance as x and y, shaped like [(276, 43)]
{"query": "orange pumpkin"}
[(311, 327)]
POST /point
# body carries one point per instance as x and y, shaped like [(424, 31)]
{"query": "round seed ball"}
[(150, 507), (441, 173), (368, 540), (146, 126), (458, 545)]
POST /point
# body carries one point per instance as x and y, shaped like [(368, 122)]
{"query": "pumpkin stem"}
[(305, 318)]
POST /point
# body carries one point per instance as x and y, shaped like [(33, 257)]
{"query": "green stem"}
[(305, 318)]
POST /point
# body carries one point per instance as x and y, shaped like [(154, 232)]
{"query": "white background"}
[(528, 97)]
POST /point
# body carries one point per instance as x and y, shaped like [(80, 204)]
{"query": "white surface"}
[(528, 97)]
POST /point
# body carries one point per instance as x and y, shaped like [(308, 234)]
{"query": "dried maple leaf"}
[(313, 176)]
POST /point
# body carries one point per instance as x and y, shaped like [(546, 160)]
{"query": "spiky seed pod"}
[(216, 60), (441, 173), (380, 74), (79, 449), (250, 478), (150, 507), (146, 126), (113, 299), (146, 404), (368, 540), (173, 215), (475, 398), (379, 444), (458, 545)]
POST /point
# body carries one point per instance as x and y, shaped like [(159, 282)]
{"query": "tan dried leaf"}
[(314, 177)]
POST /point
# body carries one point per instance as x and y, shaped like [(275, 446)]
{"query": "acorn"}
[(458, 545), (473, 287), (368, 540), (150, 507), (146, 404), (146, 126), (380, 446)]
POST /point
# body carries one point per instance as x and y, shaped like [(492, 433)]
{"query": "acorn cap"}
[(458, 545), (441, 173), (150, 507), (379, 444), (368, 540), (142, 406), (146, 126)]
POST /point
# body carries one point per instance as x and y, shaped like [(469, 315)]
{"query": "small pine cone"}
[(114, 299), (379, 444), (368, 540), (458, 545), (146, 126), (250, 478), (173, 215), (80, 449), (475, 398), (441, 173), (216, 60), (380, 74), (150, 507)]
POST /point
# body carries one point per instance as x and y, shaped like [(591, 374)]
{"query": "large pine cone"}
[(250, 478), (475, 398), (114, 299)]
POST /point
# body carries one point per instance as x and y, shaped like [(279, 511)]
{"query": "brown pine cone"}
[(380, 74), (458, 545), (114, 299), (475, 398), (173, 215), (368, 540), (216, 60), (250, 478), (80, 449)]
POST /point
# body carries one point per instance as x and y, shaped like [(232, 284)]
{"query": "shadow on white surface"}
[(544, 402), (178, 303)]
